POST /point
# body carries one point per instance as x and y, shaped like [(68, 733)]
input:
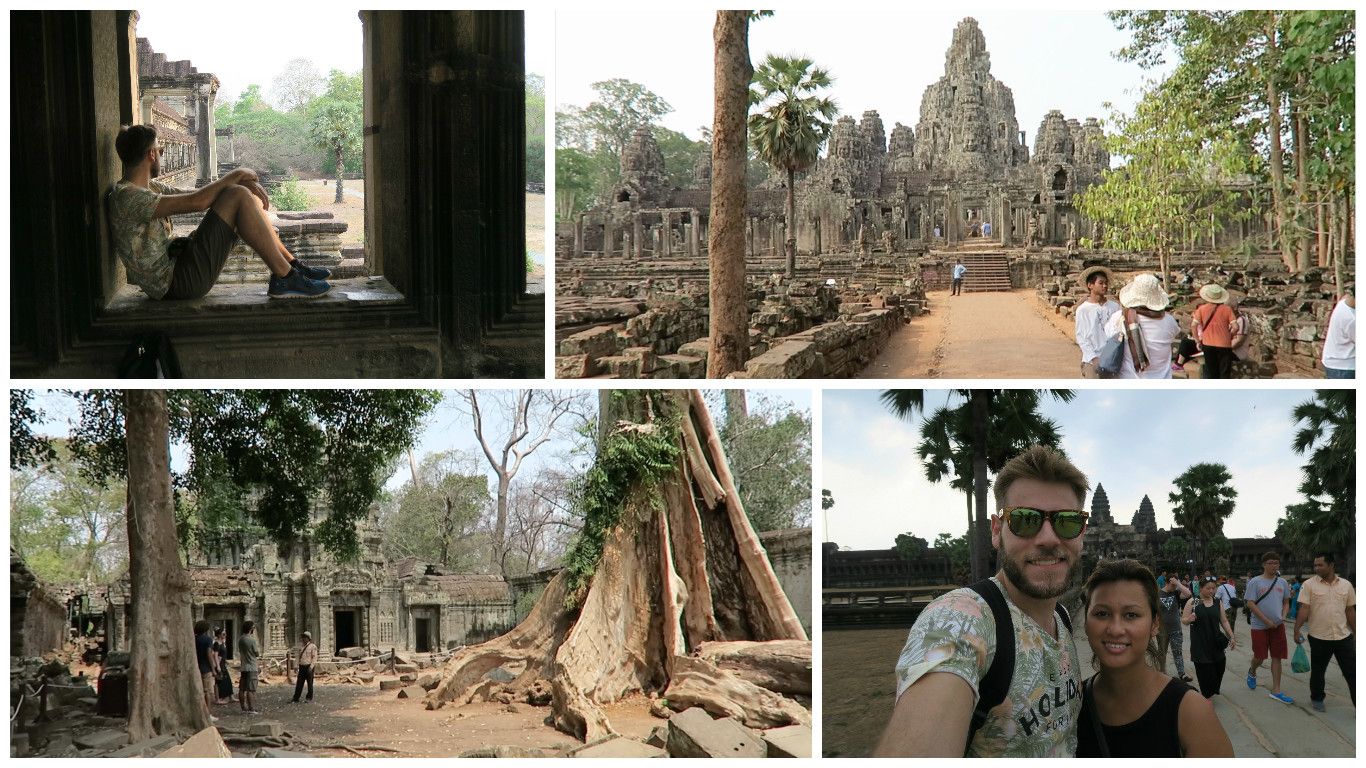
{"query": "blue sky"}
[(881, 59), (1134, 442)]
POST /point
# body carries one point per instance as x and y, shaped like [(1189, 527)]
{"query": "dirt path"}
[(354, 714), (980, 335)]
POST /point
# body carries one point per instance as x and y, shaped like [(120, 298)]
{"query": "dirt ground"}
[(355, 714), (351, 210), (980, 335), (859, 683)]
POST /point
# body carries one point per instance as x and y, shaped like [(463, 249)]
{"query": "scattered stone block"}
[(789, 741), (659, 737), (594, 342), (573, 367), (429, 680), (405, 668), (412, 692), (692, 733), (391, 685), (407, 677), (206, 743), (267, 728), (618, 746), (101, 740), (146, 748)]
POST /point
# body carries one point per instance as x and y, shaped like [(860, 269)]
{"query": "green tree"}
[(438, 516), (68, 529), (770, 455), (791, 125), (580, 178), (1326, 518), (962, 444), (251, 101), (1203, 499), (1220, 549), (335, 125), (680, 156), (909, 546), (958, 551), (1176, 550), (535, 128), (608, 121), (26, 449)]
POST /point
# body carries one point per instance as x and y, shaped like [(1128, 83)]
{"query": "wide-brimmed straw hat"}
[(1144, 291), (1214, 294), (1086, 273)]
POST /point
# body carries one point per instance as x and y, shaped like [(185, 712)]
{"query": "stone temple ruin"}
[(879, 221)]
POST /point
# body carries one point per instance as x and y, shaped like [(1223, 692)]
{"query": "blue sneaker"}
[(296, 286), (1252, 682), (311, 272), (1282, 698)]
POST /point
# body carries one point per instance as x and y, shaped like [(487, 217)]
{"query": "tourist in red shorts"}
[(1268, 602)]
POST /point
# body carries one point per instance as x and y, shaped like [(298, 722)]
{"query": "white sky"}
[(446, 429), (243, 48), (880, 59), (1133, 442)]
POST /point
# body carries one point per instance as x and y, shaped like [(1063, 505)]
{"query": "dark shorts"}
[(197, 259), (1269, 640), (248, 682)]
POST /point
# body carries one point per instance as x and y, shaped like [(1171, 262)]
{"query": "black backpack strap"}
[(993, 687), (1063, 616)]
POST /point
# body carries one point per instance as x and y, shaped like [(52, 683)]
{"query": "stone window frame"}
[(60, 298)]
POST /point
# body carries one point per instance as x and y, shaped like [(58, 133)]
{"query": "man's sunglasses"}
[(1028, 521)]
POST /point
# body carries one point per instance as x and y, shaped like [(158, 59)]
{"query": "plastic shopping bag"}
[(1300, 661)]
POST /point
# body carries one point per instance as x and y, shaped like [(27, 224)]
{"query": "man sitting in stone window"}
[(187, 267)]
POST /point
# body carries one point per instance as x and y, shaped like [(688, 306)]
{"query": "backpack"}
[(150, 356), (995, 684)]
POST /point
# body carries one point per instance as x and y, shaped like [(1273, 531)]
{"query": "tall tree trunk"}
[(790, 244), (500, 524), (736, 410), (1321, 214), (1276, 159), (726, 238), (1299, 130), (165, 694), (980, 403), (340, 169)]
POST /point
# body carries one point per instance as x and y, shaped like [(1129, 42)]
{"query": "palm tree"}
[(1202, 501), (791, 126), (1325, 520), (335, 126), (989, 428)]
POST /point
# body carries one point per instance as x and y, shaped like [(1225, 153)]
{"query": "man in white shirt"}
[(1340, 342), (1091, 316)]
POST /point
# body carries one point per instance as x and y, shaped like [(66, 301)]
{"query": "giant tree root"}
[(699, 683), (782, 666)]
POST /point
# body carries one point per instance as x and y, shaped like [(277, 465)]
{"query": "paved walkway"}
[(1258, 725), (979, 335)]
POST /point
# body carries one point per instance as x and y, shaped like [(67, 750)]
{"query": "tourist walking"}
[(164, 267), (1328, 605), (1003, 639), (1228, 599), (1148, 328), (308, 656), (1340, 341), (223, 678), (1090, 318), (1130, 707), (248, 650), (204, 656), (1268, 600), (1211, 634), (1170, 601), (1212, 325), (958, 271)]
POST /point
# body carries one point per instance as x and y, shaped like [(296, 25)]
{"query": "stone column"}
[(578, 235), (1004, 223), (951, 223), (609, 244), (638, 236), (694, 247), (749, 235), (816, 236), (326, 632)]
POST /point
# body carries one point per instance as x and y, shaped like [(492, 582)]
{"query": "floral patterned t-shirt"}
[(140, 238), (957, 634)]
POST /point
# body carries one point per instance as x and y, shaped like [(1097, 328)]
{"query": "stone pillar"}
[(326, 631), (578, 235), (694, 246), (1004, 223), (749, 235), (608, 239), (638, 236), (816, 236), (204, 131), (951, 223)]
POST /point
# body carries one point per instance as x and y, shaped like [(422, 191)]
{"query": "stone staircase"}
[(988, 268)]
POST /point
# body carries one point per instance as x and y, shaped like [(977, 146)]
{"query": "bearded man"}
[(995, 663)]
